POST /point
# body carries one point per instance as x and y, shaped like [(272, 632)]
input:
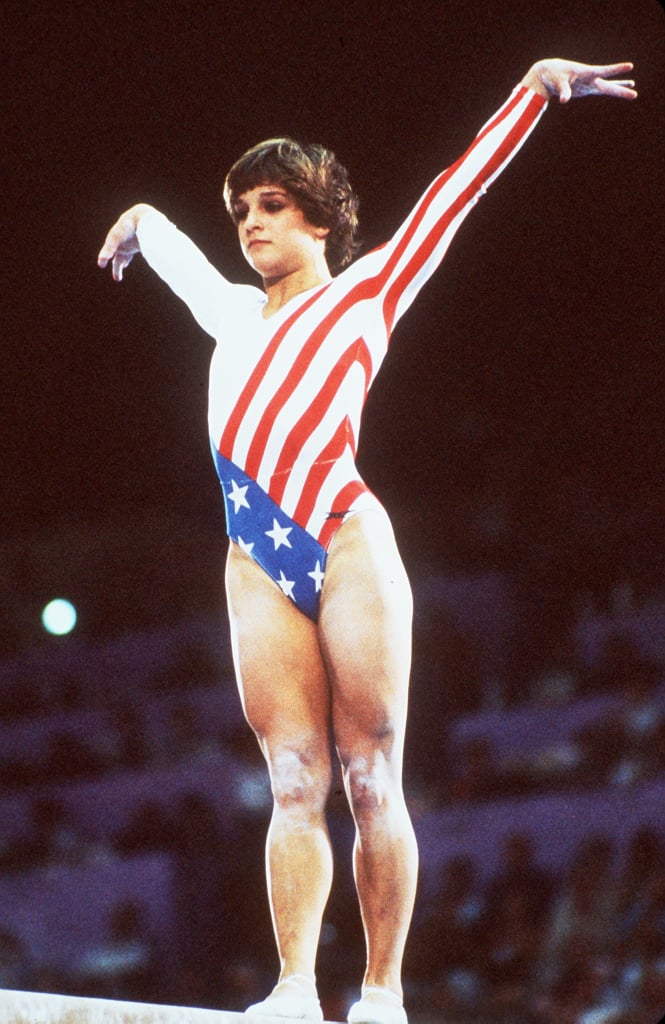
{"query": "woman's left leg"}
[(365, 635)]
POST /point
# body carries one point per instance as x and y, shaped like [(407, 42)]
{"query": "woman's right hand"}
[(121, 243)]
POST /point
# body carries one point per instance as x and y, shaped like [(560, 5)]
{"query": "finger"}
[(119, 265), (609, 70), (104, 256), (564, 90), (105, 253), (620, 89), (621, 69), (108, 249), (625, 90)]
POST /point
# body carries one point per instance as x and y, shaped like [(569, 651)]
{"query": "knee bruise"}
[(296, 780), (367, 784)]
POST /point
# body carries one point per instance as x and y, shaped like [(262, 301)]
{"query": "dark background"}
[(518, 420)]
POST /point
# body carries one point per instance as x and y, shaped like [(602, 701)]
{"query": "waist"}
[(316, 496)]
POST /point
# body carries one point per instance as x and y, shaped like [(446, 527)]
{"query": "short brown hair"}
[(317, 181)]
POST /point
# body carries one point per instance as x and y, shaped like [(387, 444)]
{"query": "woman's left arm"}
[(568, 79), (419, 245)]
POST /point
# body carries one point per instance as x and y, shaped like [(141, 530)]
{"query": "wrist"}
[(533, 80), (135, 213)]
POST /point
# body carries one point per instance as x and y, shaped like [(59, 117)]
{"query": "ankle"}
[(304, 981), (384, 993)]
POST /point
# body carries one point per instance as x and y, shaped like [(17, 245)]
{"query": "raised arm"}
[(568, 79), (403, 265)]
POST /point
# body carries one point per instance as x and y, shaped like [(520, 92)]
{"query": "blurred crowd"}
[(622, 745), (529, 947)]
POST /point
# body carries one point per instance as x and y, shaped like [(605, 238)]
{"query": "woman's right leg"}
[(286, 700)]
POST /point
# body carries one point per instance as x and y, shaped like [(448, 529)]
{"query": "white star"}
[(279, 534), (246, 547), (317, 576), (237, 496), (286, 585)]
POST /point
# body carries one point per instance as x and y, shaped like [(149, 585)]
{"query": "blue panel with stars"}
[(287, 552)]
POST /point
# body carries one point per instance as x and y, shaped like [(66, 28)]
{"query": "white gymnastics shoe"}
[(377, 1005), (295, 998)]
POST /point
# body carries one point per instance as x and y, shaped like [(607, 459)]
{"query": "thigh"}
[(365, 634), (279, 667)]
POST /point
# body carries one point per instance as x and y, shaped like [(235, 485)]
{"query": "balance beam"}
[(41, 1008)]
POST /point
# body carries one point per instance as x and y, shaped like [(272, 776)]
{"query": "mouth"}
[(256, 241)]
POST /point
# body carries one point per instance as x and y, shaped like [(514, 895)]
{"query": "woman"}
[(319, 603)]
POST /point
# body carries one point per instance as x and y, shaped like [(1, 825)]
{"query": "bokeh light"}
[(59, 617)]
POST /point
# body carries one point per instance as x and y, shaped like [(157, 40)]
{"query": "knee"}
[(370, 784), (299, 780)]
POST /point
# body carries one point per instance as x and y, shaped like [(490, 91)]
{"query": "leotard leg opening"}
[(259, 526)]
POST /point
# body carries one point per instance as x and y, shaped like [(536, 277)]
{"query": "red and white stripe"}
[(286, 394)]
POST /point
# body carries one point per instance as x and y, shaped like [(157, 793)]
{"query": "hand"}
[(122, 244), (568, 79)]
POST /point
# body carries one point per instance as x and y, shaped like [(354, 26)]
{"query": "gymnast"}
[(318, 599)]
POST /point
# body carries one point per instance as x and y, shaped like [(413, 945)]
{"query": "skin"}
[(343, 682), (280, 244), (338, 687)]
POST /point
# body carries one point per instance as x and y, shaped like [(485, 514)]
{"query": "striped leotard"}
[(286, 393)]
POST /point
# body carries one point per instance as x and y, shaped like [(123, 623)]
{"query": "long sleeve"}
[(181, 264), (416, 250)]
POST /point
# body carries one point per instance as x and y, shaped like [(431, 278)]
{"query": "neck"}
[(281, 290)]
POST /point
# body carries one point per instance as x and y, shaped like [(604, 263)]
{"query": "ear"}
[(321, 232)]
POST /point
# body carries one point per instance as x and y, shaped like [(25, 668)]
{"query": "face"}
[(275, 236)]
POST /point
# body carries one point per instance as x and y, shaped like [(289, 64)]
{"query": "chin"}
[(260, 262)]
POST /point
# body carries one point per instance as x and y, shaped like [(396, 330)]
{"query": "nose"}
[(252, 220)]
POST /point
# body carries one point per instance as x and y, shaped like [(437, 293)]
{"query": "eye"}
[(273, 206), (240, 212)]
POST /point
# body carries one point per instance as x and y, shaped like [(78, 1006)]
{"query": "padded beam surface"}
[(40, 1008)]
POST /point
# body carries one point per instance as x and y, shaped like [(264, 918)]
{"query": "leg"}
[(286, 699), (365, 630)]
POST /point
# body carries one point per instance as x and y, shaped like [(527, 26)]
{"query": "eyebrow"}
[(276, 190)]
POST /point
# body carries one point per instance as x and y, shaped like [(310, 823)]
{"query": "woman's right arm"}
[(174, 257), (121, 243)]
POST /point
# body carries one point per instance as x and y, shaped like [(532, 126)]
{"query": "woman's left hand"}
[(567, 79)]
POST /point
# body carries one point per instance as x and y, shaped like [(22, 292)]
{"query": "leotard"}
[(286, 393)]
